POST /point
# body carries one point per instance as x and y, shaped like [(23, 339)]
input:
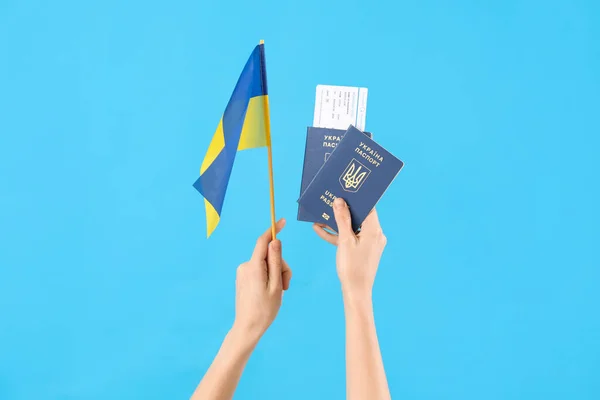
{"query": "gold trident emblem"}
[(354, 175)]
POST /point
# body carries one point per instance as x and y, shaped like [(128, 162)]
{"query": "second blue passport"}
[(320, 143), (358, 170)]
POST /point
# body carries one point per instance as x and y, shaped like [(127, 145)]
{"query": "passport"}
[(320, 143), (359, 170)]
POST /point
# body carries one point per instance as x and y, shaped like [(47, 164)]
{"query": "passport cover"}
[(320, 143), (359, 170)]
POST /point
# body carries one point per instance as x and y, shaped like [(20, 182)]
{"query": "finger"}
[(275, 264), (371, 223), (286, 275), (328, 228), (326, 236), (342, 218), (260, 250)]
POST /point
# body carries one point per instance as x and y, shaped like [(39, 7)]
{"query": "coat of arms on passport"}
[(354, 176)]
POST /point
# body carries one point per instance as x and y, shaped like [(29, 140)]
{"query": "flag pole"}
[(268, 137)]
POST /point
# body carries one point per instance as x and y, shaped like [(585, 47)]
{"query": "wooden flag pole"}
[(269, 150)]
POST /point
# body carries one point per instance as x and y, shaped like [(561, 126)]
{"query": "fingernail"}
[(276, 245), (339, 203)]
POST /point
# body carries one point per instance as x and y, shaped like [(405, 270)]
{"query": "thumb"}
[(343, 220), (275, 264)]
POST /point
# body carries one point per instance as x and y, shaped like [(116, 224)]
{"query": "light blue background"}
[(489, 287)]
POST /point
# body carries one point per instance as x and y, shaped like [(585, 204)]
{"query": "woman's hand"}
[(260, 284)]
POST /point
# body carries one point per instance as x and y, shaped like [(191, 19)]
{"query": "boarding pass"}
[(337, 107)]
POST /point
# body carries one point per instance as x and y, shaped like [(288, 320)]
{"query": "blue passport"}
[(320, 143), (358, 170)]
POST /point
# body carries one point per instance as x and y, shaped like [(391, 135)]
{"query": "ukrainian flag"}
[(242, 126)]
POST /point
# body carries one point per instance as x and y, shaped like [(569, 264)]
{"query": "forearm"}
[(365, 374), (221, 379)]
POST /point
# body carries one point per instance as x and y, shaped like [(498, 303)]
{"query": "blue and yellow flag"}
[(244, 125)]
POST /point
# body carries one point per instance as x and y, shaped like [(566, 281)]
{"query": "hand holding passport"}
[(347, 164)]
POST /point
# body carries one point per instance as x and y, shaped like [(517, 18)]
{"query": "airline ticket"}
[(337, 107)]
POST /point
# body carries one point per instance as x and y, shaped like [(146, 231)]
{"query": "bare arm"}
[(260, 284), (365, 375), (357, 262), (223, 376)]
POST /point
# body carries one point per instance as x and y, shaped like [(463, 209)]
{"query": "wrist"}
[(353, 292), (243, 337), (359, 300)]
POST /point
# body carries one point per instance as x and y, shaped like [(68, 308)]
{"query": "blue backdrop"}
[(488, 288)]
